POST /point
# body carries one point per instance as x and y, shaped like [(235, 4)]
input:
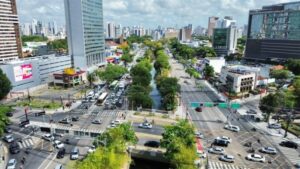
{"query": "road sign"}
[(235, 105), (223, 105), (195, 104), (208, 104)]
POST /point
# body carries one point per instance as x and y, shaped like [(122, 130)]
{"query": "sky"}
[(149, 13)]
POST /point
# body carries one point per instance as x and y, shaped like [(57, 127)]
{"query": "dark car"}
[(154, 144), (24, 123), (61, 153), (7, 130), (198, 109), (14, 148), (220, 142), (289, 144), (9, 114), (75, 118), (41, 113)]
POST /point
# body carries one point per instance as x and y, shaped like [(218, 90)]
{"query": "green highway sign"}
[(208, 104), (223, 105), (235, 105), (195, 104)]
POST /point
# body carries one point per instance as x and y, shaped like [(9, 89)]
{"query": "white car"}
[(224, 138), (91, 149), (11, 164), (227, 158), (9, 138), (216, 150), (274, 126), (48, 137), (116, 122), (268, 150), (232, 127), (256, 157), (199, 135), (145, 126), (96, 121), (58, 144)]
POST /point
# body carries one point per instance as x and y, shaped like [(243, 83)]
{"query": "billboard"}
[(23, 72)]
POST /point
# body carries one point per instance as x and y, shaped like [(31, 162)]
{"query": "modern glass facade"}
[(85, 32), (274, 32)]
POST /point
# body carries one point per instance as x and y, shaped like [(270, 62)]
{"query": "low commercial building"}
[(69, 77), (25, 74), (238, 80), (216, 62)]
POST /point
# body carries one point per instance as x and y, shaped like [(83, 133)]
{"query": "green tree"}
[(112, 72), (58, 45), (179, 143), (139, 96), (209, 71), (205, 51), (91, 78), (296, 85), (33, 38), (5, 86), (269, 104), (140, 75), (281, 74), (127, 58), (294, 66), (111, 152), (3, 118)]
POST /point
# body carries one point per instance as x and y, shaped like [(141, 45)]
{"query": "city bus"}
[(101, 98), (113, 84)]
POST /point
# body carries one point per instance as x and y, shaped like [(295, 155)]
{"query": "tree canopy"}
[(111, 149), (209, 71), (5, 86), (179, 140), (58, 45), (294, 66), (112, 72), (33, 38), (269, 105), (141, 74), (280, 74)]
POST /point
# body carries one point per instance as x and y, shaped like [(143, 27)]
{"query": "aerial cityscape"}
[(158, 84)]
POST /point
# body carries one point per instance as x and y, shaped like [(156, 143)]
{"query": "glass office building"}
[(274, 32), (84, 22)]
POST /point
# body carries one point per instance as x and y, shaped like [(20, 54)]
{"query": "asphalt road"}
[(155, 130), (211, 122)]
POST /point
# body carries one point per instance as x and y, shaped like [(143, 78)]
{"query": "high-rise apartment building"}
[(224, 40), (274, 32), (111, 30), (185, 34), (10, 42), (85, 34), (226, 22), (212, 22)]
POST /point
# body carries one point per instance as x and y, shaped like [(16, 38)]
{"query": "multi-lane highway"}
[(211, 122)]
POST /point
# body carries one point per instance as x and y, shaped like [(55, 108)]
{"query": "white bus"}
[(101, 98)]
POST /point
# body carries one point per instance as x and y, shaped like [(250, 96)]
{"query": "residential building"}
[(32, 72), (171, 33), (10, 42), (212, 22), (185, 34), (200, 31), (118, 31), (216, 62), (224, 40), (84, 19), (226, 22), (274, 32), (111, 30), (237, 80)]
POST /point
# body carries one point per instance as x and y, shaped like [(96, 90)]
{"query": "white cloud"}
[(150, 12)]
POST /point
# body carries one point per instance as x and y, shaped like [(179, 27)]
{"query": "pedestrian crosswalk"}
[(114, 114), (25, 143), (221, 165)]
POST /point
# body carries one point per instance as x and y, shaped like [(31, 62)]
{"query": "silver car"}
[(216, 150), (227, 158), (268, 150)]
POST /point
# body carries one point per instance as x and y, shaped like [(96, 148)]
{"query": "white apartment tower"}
[(10, 42), (85, 33)]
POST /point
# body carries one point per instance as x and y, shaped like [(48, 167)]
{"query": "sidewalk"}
[(3, 155)]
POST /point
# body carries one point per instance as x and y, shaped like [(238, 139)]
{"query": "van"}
[(74, 153)]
